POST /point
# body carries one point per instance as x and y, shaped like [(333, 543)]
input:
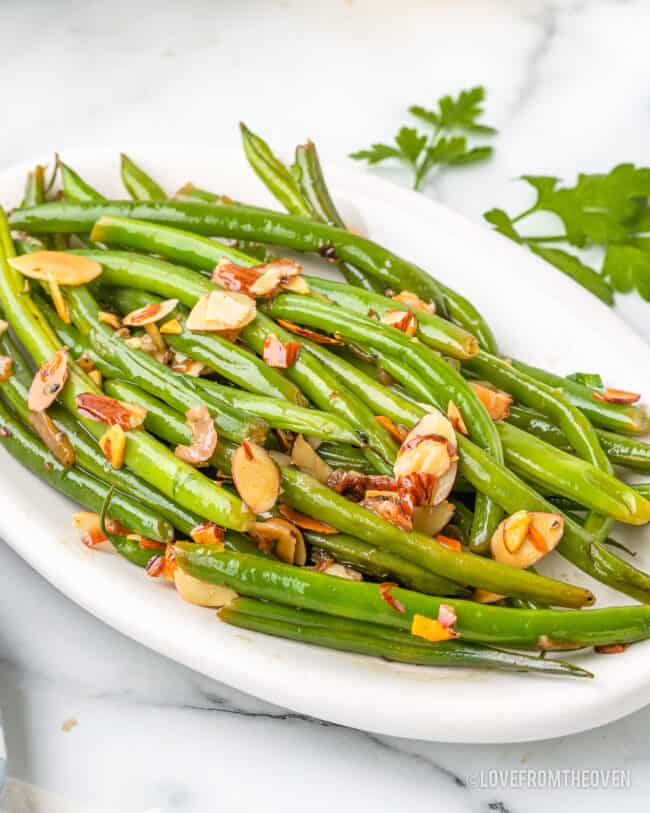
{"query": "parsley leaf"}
[(440, 148), (610, 210)]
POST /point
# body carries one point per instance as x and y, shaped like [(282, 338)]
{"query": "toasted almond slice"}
[(455, 416), (299, 330), (99, 407), (113, 444), (388, 507), (610, 649), (412, 300), (515, 530), (279, 354), (495, 401), (305, 521), (6, 368), (187, 366), (508, 549), (256, 477), (283, 538), (55, 440), (208, 533), (48, 381), (431, 519), (485, 596), (341, 572), (66, 269), (220, 311), (430, 449), (148, 314), (204, 437), (449, 542), (296, 285), (60, 305), (430, 629), (87, 523), (172, 327), (273, 276), (96, 376), (401, 320), (396, 431), (234, 277), (195, 591), (612, 396), (385, 592), (307, 460), (110, 319)]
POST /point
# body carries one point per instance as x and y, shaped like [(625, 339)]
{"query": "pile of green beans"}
[(558, 439)]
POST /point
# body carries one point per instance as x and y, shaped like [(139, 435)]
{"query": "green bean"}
[(79, 486), (632, 420), (213, 219), (440, 378), (138, 183), (438, 333), (75, 188), (505, 488), (362, 601), (309, 173), (156, 378), (307, 495), (34, 193), (145, 456), (340, 456), (372, 639), (622, 450), (273, 173), (284, 415), (571, 477), (573, 423), (375, 561), (88, 455)]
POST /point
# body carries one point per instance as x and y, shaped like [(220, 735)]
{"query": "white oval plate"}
[(537, 314)]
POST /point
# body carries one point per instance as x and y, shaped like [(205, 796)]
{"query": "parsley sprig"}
[(442, 146), (610, 211)]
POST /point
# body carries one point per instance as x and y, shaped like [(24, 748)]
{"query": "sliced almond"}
[(412, 300), (6, 368), (146, 315), (455, 416), (99, 407), (430, 449), (396, 431), (305, 521), (66, 269), (449, 542), (415, 489), (233, 277), (55, 440), (306, 459), (171, 327), (296, 285), (508, 546), (430, 629), (256, 477), (220, 311), (299, 330), (431, 519), (612, 396), (195, 591), (113, 445), (385, 589), (404, 321), (387, 506), (341, 572), (273, 276), (48, 381), (208, 533), (110, 319), (282, 538), (495, 401), (60, 305), (276, 353), (187, 366), (96, 376), (204, 437), (486, 596)]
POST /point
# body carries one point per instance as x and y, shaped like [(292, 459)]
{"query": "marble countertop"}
[(90, 715)]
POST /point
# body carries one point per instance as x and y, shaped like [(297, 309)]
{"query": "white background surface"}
[(569, 90)]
